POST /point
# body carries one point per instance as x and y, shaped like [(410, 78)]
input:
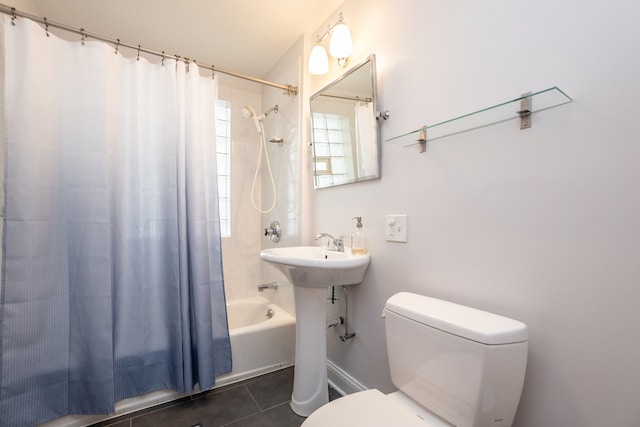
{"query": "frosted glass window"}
[(337, 165), (336, 150), (223, 155), (332, 149), (322, 150), (320, 135), (333, 121)]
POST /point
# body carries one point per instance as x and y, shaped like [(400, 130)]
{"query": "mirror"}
[(345, 130)]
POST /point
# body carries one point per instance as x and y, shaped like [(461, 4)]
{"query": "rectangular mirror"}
[(344, 128)]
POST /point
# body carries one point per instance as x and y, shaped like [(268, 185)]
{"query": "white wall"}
[(541, 225)]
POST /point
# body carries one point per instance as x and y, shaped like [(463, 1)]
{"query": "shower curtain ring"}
[(13, 16), (83, 36), (117, 45), (213, 71), (46, 26), (186, 64), (162, 62), (138, 59)]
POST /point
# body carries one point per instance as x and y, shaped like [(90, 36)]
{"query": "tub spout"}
[(272, 285)]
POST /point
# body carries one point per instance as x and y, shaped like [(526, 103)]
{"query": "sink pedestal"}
[(310, 372), (311, 270)]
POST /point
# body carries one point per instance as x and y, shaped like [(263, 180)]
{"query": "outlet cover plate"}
[(396, 228)]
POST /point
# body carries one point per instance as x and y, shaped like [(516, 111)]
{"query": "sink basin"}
[(312, 269), (315, 266)]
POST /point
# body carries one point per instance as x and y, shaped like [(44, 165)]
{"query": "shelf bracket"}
[(525, 111), (422, 139)]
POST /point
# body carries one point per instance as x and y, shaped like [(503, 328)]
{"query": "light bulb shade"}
[(318, 61), (340, 45)]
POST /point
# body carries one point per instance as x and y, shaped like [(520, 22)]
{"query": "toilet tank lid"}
[(466, 322)]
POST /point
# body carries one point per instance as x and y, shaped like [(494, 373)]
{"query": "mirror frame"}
[(370, 61)]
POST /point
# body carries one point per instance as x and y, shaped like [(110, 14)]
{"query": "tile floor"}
[(258, 402)]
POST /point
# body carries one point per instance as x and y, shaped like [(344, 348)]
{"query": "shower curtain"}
[(112, 280), (365, 140)]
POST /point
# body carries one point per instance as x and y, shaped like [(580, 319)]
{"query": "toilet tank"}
[(465, 365)]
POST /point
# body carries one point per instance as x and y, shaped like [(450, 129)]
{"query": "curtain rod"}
[(350, 98), (8, 10)]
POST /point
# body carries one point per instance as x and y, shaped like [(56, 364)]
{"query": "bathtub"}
[(262, 336), (262, 340)]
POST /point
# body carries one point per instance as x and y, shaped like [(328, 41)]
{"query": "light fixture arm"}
[(320, 39)]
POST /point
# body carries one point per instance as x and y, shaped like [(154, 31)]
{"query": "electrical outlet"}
[(396, 228)]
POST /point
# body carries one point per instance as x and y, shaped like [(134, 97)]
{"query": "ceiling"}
[(243, 36)]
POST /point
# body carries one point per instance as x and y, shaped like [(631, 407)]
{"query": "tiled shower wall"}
[(240, 251), (241, 261)]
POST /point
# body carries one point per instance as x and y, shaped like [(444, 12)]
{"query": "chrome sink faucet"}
[(333, 244)]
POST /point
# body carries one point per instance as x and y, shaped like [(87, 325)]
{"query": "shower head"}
[(249, 113)]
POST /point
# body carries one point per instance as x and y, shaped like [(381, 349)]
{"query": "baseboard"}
[(341, 381)]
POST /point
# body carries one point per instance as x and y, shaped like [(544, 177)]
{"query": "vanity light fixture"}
[(318, 61), (340, 47)]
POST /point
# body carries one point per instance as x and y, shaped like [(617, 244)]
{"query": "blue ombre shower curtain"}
[(112, 280)]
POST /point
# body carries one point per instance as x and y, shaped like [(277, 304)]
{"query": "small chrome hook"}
[(83, 36), (13, 16), (213, 72), (117, 46), (162, 62), (46, 26), (186, 64), (383, 115), (138, 58)]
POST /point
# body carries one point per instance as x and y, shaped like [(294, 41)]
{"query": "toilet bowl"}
[(454, 366), (372, 408)]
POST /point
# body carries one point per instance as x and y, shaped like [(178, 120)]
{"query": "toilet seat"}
[(370, 408)]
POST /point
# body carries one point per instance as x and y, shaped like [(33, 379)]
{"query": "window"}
[(333, 160), (223, 156)]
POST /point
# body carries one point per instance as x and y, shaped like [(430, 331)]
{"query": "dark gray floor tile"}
[(259, 402), (278, 416), (333, 394), (272, 389), (212, 410), (125, 423)]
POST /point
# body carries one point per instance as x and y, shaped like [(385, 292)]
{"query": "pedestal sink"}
[(312, 269)]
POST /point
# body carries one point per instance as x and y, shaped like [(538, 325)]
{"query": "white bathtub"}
[(259, 344)]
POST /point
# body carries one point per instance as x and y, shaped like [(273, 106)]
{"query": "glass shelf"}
[(541, 100)]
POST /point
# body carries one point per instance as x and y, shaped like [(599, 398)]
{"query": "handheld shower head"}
[(249, 113)]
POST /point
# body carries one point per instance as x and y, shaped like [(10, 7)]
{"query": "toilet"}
[(453, 366)]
